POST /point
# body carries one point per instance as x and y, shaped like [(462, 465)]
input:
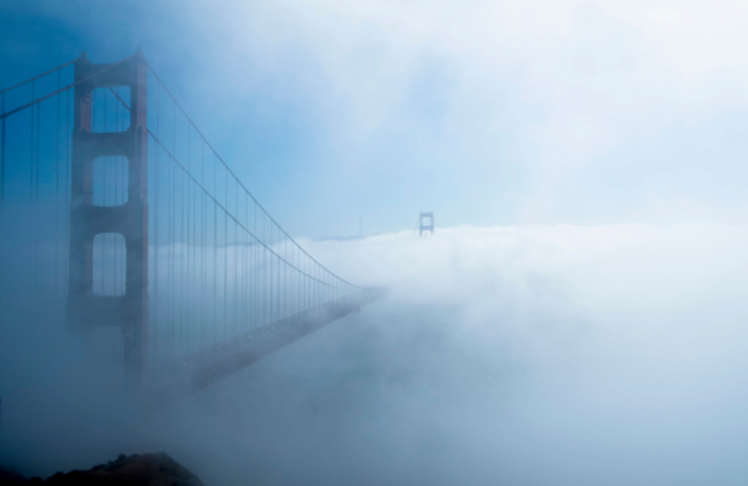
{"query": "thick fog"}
[(577, 318), (504, 355), (537, 355), (508, 355)]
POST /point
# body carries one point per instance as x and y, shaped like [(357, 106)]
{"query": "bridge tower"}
[(86, 309), (425, 223)]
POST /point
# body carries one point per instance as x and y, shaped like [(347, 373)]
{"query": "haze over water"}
[(580, 314), (535, 355)]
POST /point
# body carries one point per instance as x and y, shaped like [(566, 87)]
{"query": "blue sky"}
[(487, 113)]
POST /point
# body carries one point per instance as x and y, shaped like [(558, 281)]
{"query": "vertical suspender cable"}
[(57, 215), (2, 154), (104, 163), (169, 257), (37, 129), (190, 229), (117, 164), (235, 245), (215, 258), (225, 257), (156, 210), (67, 161), (204, 232), (31, 187)]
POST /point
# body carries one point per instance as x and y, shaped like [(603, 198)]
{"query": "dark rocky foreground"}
[(137, 469)]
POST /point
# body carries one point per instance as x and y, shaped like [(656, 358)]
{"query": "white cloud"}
[(554, 89), (616, 268), (543, 355)]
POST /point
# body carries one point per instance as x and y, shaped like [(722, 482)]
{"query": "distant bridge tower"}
[(426, 223), (87, 309)]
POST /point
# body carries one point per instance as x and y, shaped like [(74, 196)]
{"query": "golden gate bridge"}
[(119, 219)]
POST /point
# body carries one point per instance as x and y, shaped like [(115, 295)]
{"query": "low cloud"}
[(518, 355), (515, 355)]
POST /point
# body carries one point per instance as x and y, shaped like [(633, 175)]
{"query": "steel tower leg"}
[(86, 309)]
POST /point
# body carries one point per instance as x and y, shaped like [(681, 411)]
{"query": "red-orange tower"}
[(129, 311)]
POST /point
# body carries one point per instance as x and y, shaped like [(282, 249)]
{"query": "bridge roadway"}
[(187, 376)]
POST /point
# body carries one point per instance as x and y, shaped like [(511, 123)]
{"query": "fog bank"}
[(509, 355), (539, 355)]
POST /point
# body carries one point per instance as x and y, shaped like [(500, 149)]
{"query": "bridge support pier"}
[(86, 308)]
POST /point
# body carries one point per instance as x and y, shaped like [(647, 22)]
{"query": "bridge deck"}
[(184, 377)]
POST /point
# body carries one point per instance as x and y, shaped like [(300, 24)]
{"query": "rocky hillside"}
[(137, 469)]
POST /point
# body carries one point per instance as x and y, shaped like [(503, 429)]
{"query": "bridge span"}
[(118, 213)]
